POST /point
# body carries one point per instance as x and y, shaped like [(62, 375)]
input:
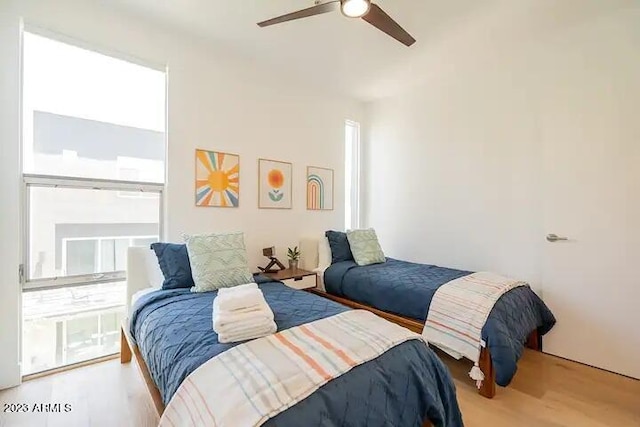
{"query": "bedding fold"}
[(262, 378), (458, 312)]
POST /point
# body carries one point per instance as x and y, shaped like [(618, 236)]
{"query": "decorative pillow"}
[(174, 263), (365, 247), (218, 261), (340, 250)]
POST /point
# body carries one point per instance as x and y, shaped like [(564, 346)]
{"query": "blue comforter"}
[(406, 289), (403, 387)]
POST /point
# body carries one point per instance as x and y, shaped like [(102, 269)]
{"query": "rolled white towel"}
[(262, 313), (238, 300), (263, 331)]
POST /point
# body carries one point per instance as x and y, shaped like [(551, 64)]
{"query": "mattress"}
[(406, 289), (404, 386), (137, 295)]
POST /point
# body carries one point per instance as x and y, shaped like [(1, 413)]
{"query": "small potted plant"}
[(294, 256)]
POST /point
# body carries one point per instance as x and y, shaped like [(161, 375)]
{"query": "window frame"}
[(98, 246), (353, 180), (32, 180)]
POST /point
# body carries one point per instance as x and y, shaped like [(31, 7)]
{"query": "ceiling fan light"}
[(355, 8)]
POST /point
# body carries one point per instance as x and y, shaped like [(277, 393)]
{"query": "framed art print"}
[(319, 189), (217, 179), (274, 184)]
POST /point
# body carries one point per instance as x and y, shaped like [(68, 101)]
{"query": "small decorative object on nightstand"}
[(297, 279), (271, 254), (294, 256)]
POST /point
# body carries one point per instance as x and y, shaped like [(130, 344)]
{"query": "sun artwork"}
[(275, 177), (217, 179)]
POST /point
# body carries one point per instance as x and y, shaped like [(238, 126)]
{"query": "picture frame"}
[(275, 184), (217, 179), (320, 188)]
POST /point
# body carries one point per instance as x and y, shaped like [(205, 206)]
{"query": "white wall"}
[(522, 127), (451, 165), (10, 197), (216, 101)]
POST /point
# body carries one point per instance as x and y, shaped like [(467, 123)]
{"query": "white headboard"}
[(143, 271), (309, 253)]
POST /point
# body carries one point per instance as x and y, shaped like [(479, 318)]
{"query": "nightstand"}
[(296, 279)]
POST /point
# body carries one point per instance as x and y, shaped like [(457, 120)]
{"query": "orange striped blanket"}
[(256, 380), (458, 312)]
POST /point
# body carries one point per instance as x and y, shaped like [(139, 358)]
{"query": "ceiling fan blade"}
[(304, 13), (379, 19)]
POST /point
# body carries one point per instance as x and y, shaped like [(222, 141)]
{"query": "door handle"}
[(555, 238)]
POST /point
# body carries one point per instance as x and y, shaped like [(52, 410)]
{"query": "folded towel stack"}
[(241, 313)]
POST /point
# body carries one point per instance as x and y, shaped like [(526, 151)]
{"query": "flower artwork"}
[(274, 184), (276, 180)]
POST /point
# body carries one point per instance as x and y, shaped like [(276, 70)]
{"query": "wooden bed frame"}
[(143, 273), (128, 349), (488, 388)]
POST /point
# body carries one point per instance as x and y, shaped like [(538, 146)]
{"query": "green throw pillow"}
[(218, 261), (365, 247)]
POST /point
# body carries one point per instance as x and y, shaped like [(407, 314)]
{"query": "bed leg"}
[(533, 341), (488, 387), (125, 350)]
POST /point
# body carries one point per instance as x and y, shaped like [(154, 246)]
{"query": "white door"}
[(590, 128)]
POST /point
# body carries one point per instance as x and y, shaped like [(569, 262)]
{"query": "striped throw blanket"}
[(458, 312), (256, 380)]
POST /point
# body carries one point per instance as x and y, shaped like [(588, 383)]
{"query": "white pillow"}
[(324, 253)]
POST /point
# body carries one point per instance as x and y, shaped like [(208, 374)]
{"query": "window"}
[(95, 255), (352, 175), (90, 115), (93, 171), (71, 324)]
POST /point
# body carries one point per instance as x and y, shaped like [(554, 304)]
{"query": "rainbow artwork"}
[(319, 188), (217, 179)]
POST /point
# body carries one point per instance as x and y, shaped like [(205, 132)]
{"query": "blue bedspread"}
[(407, 288), (404, 386)]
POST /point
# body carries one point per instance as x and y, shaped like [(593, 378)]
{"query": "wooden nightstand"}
[(296, 279)]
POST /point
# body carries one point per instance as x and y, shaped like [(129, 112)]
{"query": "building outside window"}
[(94, 145)]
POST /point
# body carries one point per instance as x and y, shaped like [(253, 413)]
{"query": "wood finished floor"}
[(547, 391)]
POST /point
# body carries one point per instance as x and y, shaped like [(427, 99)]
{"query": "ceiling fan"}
[(364, 9)]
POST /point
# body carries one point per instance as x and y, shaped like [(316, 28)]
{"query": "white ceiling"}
[(349, 56)]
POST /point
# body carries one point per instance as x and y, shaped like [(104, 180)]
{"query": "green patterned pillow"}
[(365, 247), (218, 261)]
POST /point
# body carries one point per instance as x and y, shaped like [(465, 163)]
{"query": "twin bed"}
[(402, 292), (170, 334)]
